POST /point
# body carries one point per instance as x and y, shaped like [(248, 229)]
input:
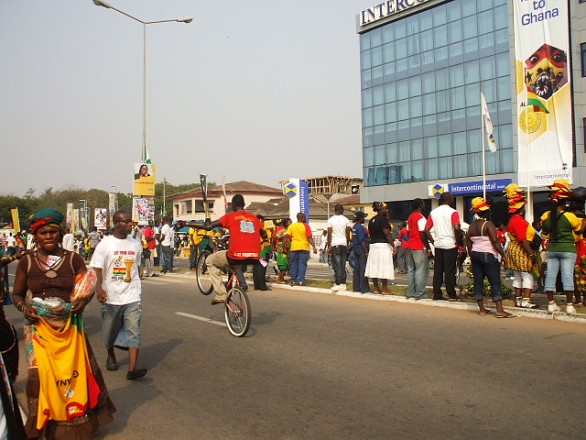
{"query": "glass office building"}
[(424, 64)]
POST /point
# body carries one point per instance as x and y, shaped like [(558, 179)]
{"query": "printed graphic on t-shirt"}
[(122, 270), (247, 227)]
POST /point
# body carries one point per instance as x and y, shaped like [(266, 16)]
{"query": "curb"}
[(527, 313)]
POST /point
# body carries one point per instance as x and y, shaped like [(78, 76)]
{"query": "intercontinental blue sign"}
[(466, 188)]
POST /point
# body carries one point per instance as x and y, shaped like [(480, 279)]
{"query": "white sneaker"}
[(527, 304), (570, 310), (341, 287), (552, 307), (335, 287)]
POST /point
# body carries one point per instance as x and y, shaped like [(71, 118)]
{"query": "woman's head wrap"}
[(44, 217), (515, 197), (479, 204), (560, 189)]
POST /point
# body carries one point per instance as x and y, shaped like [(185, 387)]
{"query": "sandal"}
[(506, 315)]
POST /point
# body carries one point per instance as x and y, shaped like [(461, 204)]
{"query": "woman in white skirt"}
[(379, 265)]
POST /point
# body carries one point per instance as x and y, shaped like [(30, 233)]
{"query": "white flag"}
[(488, 124)]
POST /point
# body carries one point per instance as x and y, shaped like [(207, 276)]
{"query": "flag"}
[(536, 103), (146, 157), (488, 124)]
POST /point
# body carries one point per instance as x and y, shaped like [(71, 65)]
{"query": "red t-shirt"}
[(415, 241), (517, 227), (244, 230)]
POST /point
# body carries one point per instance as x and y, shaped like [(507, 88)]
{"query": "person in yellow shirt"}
[(300, 237), (195, 238)]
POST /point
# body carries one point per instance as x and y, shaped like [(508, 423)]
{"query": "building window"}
[(583, 52)]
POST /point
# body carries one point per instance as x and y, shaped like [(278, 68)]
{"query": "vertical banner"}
[(15, 220), (101, 218), (143, 210), (544, 105), (74, 221), (112, 207), (69, 214), (144, 179), (298, 192)]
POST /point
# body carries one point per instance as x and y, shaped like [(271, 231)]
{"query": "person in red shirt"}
[(245, 237)]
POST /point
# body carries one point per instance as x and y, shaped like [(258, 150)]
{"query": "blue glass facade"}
[(421, 81)]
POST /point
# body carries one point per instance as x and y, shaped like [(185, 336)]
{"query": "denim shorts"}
[(123, 319)]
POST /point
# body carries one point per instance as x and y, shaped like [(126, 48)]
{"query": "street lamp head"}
[(184, 19), (102, 3)]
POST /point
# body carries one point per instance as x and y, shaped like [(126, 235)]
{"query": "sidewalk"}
[(469, 306)]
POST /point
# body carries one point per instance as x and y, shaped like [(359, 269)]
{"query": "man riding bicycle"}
[(244, 247)]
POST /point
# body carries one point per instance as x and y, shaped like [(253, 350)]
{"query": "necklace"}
[(49, 267)]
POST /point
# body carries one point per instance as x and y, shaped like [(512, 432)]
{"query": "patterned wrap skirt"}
[(517, 258)]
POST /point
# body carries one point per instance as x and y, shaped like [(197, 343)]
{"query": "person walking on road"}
[(379, 266), (485, 249), (360, 247), (418, 252), (445, 223), (118, 287), (338, 240), (300, 237)]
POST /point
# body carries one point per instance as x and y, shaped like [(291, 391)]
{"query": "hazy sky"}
[(250, 90)]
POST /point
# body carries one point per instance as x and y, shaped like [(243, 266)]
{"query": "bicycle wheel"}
[(204, 282), (237, 312)]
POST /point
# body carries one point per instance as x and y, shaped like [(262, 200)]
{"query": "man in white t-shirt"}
[(68, 240), (445, 222), (338, 239), (166, 238), (116, 261)]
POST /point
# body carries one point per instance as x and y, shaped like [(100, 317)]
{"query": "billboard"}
[(144, 179), (544, 106)]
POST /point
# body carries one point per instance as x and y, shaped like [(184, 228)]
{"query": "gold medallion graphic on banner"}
[(530, 121)]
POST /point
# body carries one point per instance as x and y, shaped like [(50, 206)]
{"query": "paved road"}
[(319, 366)]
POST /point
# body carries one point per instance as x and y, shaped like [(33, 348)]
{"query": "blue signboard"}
[(469, 188)]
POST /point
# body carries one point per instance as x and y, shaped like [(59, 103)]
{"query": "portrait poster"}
[(75, 221), (543, 88), (101, 218), (144, 179), (143, 210)]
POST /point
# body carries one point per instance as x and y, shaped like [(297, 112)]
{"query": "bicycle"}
[(237, 312)]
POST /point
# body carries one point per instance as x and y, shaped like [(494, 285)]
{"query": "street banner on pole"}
[(143, 210), (15, 220), (144, 179), (544, 107), (69, 214), (101, 218)]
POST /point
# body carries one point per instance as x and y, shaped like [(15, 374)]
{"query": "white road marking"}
[(201, 318)]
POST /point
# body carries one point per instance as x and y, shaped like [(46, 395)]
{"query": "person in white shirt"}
[(68, 242), (166, 238), (445, 222), (116, 261), (338, 239)]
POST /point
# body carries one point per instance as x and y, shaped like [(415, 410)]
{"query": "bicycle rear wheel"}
[(204, 281), (237, 312)]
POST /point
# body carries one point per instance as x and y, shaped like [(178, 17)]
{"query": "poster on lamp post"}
[(143, 210), (144, 179), (544, 102), (101, 218)]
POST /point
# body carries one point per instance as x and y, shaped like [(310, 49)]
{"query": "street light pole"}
[(104, 4)]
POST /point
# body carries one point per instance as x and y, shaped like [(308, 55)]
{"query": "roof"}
[(241, 187)]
